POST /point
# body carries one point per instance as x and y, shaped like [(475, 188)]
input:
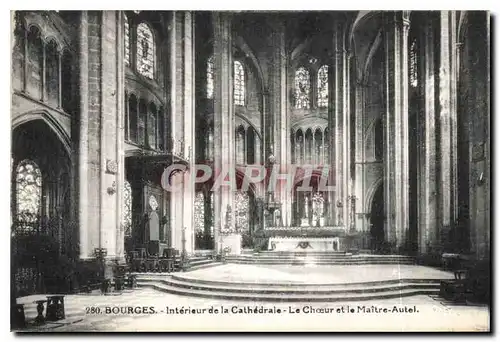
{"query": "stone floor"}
[(432, 314), (316, 274), (166, 312)]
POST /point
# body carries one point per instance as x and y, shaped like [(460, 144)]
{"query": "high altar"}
[(304, 244)]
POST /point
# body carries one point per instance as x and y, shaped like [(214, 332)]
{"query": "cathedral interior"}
[(394, 105)]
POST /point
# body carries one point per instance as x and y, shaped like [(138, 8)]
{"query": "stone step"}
[(319, 262), (186, 277), (263, 258), (195, 262), (204, 265), (287, 297), (293, 289)]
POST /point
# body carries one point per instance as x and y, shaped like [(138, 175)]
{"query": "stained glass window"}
[(239, 84), (127, 42), (210, 78), (34, 60), (127, 209), (199, 212), (28, 195), (145, 51), (242, 205), (302, 88), (323, 87), (413, 64)]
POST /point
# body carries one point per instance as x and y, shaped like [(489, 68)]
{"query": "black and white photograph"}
[(250, 171)]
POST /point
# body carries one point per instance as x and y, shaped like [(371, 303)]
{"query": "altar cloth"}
[(304, 244)]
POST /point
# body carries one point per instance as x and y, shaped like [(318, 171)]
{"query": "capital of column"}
[(406, 18)]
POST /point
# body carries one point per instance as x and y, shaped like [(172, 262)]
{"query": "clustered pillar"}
[(396, 182), (225, 234), (100, 161)]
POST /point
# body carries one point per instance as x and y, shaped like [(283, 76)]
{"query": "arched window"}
[(161, 129), (300, 147), (18, 54), (323, 87), (133, 118), (67, 82), (141, 122), (34, 60), (240, 145), (127, 209), (152, 126), (414, 64), (127, 41), (318, 146), (52, 73), (28, 196), (145, 51), (239, 84), (302, 88), (325, 147), (210, 77)]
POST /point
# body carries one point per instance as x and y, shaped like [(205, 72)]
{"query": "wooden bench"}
[(458, 263)]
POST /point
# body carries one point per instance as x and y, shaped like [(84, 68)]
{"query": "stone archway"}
[(42, 231)]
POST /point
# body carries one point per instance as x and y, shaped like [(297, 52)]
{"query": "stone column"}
[(427, 228), (82, 147), (396, 183), (359, 190), (347, 185), (224, 159), (43, 96), (336, 124), (448, 124), (279, 108), (59, 78), (182, 109), (25, 62), (100, 163), (189, 125), (120, 132)]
